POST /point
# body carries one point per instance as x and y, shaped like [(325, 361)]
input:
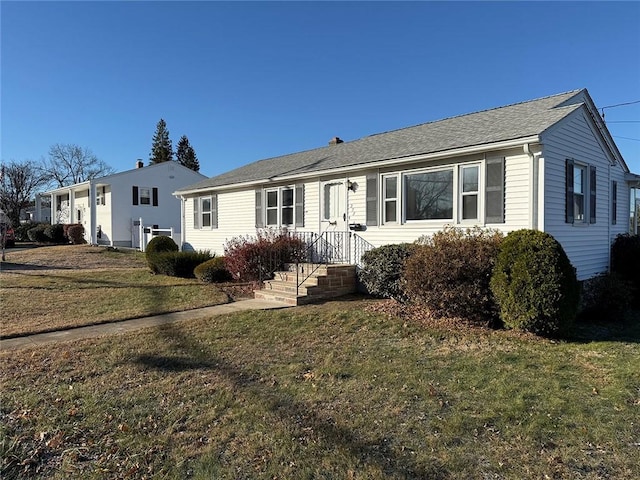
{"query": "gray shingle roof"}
[(485, 127)]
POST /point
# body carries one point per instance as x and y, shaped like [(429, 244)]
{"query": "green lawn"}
[(324, 391)]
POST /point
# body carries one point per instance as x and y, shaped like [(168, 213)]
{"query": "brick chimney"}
[(139, 163), (335, 141)]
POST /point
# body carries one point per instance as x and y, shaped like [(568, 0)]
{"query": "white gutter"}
[(375, 164)]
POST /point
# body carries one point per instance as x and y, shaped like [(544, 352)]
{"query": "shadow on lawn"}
[(191, 356)]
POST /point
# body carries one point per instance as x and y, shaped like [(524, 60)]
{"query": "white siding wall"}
[(516, 203), (236, 217), (587, 245)]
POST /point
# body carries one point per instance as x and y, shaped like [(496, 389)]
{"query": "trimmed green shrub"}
[(22, 230), (606, 298), (75, 234), (161, 243), (625, 262), (176, 264), (212, 271), (535, 284), (257, 258), (382, 270), (55, 233), (450, 273), (37, 235)]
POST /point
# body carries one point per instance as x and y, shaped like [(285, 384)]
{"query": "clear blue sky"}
[(246, 81)]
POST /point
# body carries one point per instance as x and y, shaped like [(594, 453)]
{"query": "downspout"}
[(183, 227), (534, 187)]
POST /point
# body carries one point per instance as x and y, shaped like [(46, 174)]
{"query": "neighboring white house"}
[(116, 209), (548, 164)]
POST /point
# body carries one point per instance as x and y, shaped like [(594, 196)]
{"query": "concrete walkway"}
[(123, 326)]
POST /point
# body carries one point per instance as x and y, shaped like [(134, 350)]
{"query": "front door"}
[(334, 211)]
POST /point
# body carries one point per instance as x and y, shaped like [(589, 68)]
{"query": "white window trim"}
[(140, 196), (457, 219), (279, 206), (585, 194), (402, 186), (397, 198), (478, 193)]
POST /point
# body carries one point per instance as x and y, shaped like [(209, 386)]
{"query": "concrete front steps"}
[(327, 281)]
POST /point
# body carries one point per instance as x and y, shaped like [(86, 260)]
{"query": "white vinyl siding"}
[(586, 244)]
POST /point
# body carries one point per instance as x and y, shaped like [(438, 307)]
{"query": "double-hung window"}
[(145, 195), (429, 195), (579, 188), (390, 198), (580, 193), (469, 189), (280, 207), (205, 212)]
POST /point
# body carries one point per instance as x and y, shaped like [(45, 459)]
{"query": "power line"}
[(621, 104), (627, 138), (623, 121)]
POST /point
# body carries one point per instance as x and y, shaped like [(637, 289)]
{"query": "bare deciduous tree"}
[(20, 180), (69, 164)]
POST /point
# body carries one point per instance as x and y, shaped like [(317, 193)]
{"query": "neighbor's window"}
[(145, 196), (429, 195), (469, 192)]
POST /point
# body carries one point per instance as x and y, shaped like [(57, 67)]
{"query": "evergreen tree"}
[(186, 155), (161, 149)]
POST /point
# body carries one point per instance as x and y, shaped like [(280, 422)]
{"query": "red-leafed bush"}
[(257, 258), (75, 233)]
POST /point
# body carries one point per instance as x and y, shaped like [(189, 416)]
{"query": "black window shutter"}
[(259, 216), (155, 196), (614, 202), (214, 211), (494, 194), (372, 199), (299, 192), (135, 195), (569, 191), (592, 194)]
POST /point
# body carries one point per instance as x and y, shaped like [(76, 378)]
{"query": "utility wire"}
[(627, 138), (617, 105)]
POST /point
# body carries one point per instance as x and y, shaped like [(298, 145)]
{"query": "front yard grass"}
[(323, 391), (50, 288)]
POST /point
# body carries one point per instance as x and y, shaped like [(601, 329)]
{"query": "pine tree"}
[(186, 155), (161, 149)]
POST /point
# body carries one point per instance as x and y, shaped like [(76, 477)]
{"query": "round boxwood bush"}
[(161, 243), (212, 271), (55, 233), (625, 261), (535, 284), (382, 270), (37, 235)]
